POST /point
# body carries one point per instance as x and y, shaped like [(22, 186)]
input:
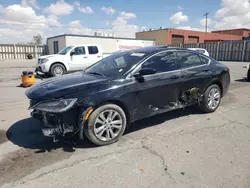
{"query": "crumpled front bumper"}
[(58, 124)]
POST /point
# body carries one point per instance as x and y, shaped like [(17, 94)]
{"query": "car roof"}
[(150, 50), (154, 49), (77, 45), (197, 48)]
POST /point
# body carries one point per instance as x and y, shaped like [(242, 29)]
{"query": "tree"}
[(38, 40)]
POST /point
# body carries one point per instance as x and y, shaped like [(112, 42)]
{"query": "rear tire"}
[(211, 99), (106, 125), (57, 70), (248, 75)]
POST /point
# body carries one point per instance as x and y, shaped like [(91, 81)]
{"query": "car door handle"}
[(98, 56), (175, 77), (85, 57)]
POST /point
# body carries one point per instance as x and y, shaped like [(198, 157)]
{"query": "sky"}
[(20, 20)]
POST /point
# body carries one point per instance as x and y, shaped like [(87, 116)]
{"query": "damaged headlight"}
[(56, 106)]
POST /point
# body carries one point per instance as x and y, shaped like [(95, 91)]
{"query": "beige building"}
[(108, 44)]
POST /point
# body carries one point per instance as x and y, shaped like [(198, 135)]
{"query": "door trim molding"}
[(130, 75)]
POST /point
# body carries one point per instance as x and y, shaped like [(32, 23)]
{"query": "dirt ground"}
[(184, 148)]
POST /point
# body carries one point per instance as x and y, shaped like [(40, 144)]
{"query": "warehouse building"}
[(109, 44), (243, 32), (180, 36)]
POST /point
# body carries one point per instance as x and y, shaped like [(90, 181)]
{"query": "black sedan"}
[(103, 100)]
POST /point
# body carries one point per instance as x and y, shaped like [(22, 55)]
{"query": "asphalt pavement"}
[(184, 148)]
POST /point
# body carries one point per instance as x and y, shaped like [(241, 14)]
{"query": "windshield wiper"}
[(97, 73)]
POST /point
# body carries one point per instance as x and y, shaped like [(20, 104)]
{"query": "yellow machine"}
[(28, 79)]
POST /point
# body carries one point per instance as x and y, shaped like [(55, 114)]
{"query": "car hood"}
[(63, 85)]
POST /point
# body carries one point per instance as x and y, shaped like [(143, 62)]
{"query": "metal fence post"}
[(36, 51), (217, 51), (231, 51), (243, 51), (25, 52), (14, 46)]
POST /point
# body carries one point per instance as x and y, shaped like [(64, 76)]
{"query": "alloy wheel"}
[(58, 71), (108, 125), (214, 98)]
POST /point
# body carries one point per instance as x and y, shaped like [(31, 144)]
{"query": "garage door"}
[(193, 40), (177, 39)]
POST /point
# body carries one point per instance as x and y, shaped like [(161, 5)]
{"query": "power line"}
[(206, 20)]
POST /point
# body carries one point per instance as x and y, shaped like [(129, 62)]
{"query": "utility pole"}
[(206, 19)]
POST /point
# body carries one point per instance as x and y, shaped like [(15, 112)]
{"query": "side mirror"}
[(145, 71), (72, 53)]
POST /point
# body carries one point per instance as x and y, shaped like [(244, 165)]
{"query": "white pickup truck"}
[(200, 50), (71, 58)]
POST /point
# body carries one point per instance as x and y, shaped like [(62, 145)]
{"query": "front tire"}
[(211, 100), (57, 70), (106, 125)]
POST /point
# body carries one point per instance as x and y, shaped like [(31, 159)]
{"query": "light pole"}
[(206, 19)]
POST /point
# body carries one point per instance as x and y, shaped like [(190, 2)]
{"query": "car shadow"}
[(241, 80), (27, 133)]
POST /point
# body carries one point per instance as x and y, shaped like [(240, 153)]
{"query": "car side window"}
[(79, 50), (188, 59), (92, 50), (162, 62)]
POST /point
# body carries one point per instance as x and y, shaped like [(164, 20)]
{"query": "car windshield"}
[(116, 64), (65, 50)]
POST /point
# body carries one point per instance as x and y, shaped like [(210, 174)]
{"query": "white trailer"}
[(108, 45)]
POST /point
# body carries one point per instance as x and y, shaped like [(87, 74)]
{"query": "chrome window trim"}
[(130, 75)]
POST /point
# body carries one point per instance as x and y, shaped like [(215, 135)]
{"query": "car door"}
[(78, 58), (94, 54), (195, 69), (159, 92)]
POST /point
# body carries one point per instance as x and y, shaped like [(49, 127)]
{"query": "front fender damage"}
[(84, 116)]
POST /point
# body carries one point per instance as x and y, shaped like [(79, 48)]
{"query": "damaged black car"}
[(101, 101)]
